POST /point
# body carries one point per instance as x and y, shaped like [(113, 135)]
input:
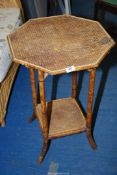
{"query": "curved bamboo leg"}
[(45, 145), (89, 108), (74, 84), (44, 116), (34, 95)]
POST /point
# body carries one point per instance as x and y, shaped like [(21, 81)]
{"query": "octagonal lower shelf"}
[(65, 117)]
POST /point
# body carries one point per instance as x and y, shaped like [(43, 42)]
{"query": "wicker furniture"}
[(57, 45), (11, 3), (6, 84)]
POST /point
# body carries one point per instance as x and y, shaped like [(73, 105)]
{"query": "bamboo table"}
[(57, 45)]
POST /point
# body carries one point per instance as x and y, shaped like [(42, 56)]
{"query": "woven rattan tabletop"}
[(53, 44)]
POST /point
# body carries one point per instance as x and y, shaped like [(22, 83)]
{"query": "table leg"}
[(34, 95), (74, 84), (45, 129), (89, 108)]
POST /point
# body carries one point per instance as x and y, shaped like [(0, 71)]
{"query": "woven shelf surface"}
[(65, 117), (54, 43)]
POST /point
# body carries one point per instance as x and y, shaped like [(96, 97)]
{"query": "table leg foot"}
[(2, 123), (43, 152), (91, 140), (89, 108), (32, 118)]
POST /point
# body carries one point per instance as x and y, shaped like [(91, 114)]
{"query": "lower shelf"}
[(65, 117)]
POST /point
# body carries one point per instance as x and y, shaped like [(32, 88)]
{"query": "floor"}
[(21, 142)]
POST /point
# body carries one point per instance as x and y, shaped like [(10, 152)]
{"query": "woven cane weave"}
[(5, 90), (65, 117), (55, 43)]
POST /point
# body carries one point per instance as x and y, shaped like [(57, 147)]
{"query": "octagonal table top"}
[(60, 43)]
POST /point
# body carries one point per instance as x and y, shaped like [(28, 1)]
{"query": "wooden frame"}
[(11, 3)]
